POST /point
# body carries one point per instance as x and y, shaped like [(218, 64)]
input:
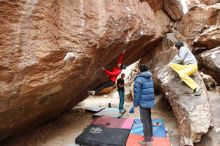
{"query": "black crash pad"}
[(101, 136)]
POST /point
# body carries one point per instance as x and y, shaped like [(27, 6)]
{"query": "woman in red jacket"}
[(112, 75)]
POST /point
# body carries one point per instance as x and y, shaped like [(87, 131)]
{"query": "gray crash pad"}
[(111, 112), (94, 109)]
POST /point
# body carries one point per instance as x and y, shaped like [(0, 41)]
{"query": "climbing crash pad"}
[(158, 128), (111, 122), (159, 134), (111, 112), (94, 109), (134, 139), (101, 136)]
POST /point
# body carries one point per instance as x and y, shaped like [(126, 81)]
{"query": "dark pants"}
[(145, 115), (104, 85), (122, 99)]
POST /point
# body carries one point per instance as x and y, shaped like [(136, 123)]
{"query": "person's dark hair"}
[(143, 68), (179, 44), (123, 66)]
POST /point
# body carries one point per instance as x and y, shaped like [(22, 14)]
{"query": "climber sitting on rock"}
[(112, 76), (185, 64)]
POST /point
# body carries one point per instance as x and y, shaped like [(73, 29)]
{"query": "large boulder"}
[(210, 63), (209, 39), (210, 2), (36, 84), (174, 9), (162, 26), (161, 55), (197, 19), (155, 4), (192, 112), (209, 82), (162, 23), (192, 3), (212, 137)]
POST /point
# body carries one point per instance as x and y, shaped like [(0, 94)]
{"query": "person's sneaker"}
[(91, 92), (122, 111), (149, 144), (145, 143), (197, 92)]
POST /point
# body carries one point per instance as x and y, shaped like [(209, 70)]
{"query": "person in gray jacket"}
[(185, 64), (144, 98)]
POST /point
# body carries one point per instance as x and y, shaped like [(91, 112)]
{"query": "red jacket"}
[(116, 71)]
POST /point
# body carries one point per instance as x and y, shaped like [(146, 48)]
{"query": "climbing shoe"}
[(145, 143), (121, 111), (91, 92), (197, 92)]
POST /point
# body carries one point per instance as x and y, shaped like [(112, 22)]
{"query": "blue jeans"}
[(122, 99)]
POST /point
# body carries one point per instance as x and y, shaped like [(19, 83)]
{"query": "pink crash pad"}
[(111, 122)]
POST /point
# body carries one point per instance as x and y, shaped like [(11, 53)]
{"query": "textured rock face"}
[(198, 18), (155, 4), (210, 63), (188, 109), (174, 9), (212, 138), (210, 38), (192, 3), (35, 82), (162, 26), (210, 2), (161, 55), (209, 82), (162, 23)]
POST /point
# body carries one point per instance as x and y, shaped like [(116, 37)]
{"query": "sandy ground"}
[(63, 130)]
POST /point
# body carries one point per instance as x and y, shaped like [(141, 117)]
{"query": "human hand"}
[(131, 110), (123, 51), (173, 48), (103, 69)]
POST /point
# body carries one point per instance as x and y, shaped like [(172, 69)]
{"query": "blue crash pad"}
[(158, 130)]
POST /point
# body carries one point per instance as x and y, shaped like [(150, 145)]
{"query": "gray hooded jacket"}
[(184, 57)]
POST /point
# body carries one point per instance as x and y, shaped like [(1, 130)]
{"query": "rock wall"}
[(192, 3), (209, 39), (36, 84), (210, 2), (199, 29), (197, 20), (173, 8), (212, 137), (187, 108), (210, 63)]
